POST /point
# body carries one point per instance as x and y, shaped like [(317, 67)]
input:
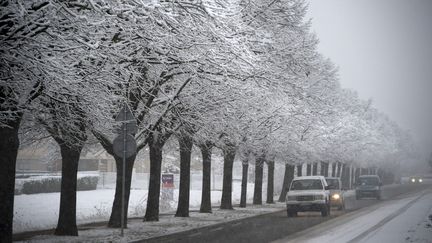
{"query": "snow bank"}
[(40, 211)]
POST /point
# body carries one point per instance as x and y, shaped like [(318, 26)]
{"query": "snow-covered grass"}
[(167, 224), (40, 211)]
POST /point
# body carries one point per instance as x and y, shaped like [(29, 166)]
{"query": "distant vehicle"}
[(308, 193), (336, 192), (368, 186), (415, 180)]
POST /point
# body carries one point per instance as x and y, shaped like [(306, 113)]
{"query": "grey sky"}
[(384, 51)]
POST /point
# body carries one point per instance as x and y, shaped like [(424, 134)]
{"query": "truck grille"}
[(305, 198)]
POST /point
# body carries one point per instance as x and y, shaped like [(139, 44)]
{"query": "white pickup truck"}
[(308, 193)]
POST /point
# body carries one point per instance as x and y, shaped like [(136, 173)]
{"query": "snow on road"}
[(399, 220), (413, 225)]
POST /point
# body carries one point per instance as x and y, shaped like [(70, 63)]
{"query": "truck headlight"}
[(335, 196), (319, 197), (420, 180), (412, 180)]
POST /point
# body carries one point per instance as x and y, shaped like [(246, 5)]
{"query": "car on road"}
[(368, 186), (308, 193), (336, 192), (415, 179)]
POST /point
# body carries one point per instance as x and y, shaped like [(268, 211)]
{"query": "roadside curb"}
[(206, 227)]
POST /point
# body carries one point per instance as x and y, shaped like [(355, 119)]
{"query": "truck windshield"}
[(370, 181), (306, 185)]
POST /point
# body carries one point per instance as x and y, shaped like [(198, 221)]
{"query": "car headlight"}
[(319, 197), (420, 180), (412, 180), (291, 198), (335, 196)]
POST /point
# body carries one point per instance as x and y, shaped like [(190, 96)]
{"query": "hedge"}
[(48, 184)]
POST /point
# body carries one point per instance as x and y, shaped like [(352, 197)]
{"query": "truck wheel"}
[(325, 211), (291, 213), (378, 196), (358, 197)]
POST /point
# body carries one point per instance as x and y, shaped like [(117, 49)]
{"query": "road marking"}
[(217, 229), (195, 234)]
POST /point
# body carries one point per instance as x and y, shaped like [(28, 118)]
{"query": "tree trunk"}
[(315, 169), (226, 201), (345, 176), (324, 169), (206, 190), (357, 174), (333, 170), (308, 169), (288, 177), (185, 143), (339, 167), (66, 224), (156, 143), (115, 218), (299, 170), (243, 196), (270, 182), (9, 144), (259, 164)]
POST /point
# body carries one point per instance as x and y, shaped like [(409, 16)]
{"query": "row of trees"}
[(241, 76)]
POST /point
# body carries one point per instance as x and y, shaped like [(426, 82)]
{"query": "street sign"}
[(128, 120), (124, 146), (167, 188), (125, 114), (128, 149), (167, 180)]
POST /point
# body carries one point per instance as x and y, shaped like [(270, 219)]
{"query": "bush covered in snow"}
[(87, 183), (45, 184)]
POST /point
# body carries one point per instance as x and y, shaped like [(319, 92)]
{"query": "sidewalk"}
[(167, 224)]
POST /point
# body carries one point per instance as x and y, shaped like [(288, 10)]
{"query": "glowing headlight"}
[(335, 196), (412, 180), (420, 180)]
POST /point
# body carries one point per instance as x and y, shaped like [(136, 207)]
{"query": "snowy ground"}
[(40, 211), (407, 219), (138, 230)]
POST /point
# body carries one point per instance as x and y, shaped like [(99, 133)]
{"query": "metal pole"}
[(123, 176)]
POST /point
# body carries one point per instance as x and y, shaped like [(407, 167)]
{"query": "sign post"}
[(124, 146)]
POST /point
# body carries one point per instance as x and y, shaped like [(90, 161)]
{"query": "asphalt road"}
[(269, 227)]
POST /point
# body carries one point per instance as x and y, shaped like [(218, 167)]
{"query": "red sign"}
[(167, 180)]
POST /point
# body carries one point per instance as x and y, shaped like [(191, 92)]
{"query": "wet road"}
[(269, 227)]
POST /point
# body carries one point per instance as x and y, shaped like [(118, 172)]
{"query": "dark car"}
[(368, 186), (415, 179)]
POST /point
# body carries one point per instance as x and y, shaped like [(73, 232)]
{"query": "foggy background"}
[(384, 52)]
